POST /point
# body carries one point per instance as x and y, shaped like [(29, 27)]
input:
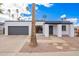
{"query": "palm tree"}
[(1, 9), (33, 42), (44, 17), (17, 11), (9, 11), (27, 8), (12, 16)]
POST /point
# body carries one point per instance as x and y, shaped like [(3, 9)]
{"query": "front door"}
[(50, 30)]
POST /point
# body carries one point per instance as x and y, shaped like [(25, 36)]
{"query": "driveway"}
[(11, 43)]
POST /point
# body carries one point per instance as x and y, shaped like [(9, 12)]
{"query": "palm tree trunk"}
[(9, 13), (33, 41), (9, 16), (17, 11)]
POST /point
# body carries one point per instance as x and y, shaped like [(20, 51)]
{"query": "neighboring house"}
[(76, 29), (1, 28), (46, 28)]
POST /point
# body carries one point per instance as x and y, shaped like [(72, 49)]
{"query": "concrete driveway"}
[(11, 44)]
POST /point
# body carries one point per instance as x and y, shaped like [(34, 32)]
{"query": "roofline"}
[(46, 22), (58, 22), (24, 21)]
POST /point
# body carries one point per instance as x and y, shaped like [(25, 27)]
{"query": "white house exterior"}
[(46, 28), (1, 28)]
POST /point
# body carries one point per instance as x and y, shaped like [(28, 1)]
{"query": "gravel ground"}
[(54, 44)]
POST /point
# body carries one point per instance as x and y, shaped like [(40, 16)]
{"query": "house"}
[(1, 28), (46, 28)]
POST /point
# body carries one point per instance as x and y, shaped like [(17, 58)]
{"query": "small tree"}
[(44, 17), (63, 19)]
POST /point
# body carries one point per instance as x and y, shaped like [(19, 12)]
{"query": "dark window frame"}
[(63, 27)]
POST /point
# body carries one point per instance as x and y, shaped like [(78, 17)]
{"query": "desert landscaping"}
[(19, 45)]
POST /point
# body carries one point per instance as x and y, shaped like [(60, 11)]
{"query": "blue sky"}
[(71, 10), (54, 11)]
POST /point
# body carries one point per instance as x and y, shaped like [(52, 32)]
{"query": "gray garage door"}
[(18, 30)]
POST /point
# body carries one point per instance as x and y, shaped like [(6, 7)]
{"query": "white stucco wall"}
[(44, 29), (17, 23), (71, 31), (46, 33), (54, 29), (63, 32), (1, 29), (40, 23), (67, 30), (59, 30)]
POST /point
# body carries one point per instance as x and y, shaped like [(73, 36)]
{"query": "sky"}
[(53, 11)]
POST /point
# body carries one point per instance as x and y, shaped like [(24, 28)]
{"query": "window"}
[(39, 29), (64, 28)]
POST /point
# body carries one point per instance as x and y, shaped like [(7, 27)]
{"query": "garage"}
[(18, 30)]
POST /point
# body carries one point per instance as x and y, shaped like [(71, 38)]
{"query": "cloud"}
[(29, 18), (5, 17), (74, 20), (36, 8), (26, 12), (22, 7), (13, 1), (45, 4), (14, 6), (76, 25), (27, 1), (63, 16)]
